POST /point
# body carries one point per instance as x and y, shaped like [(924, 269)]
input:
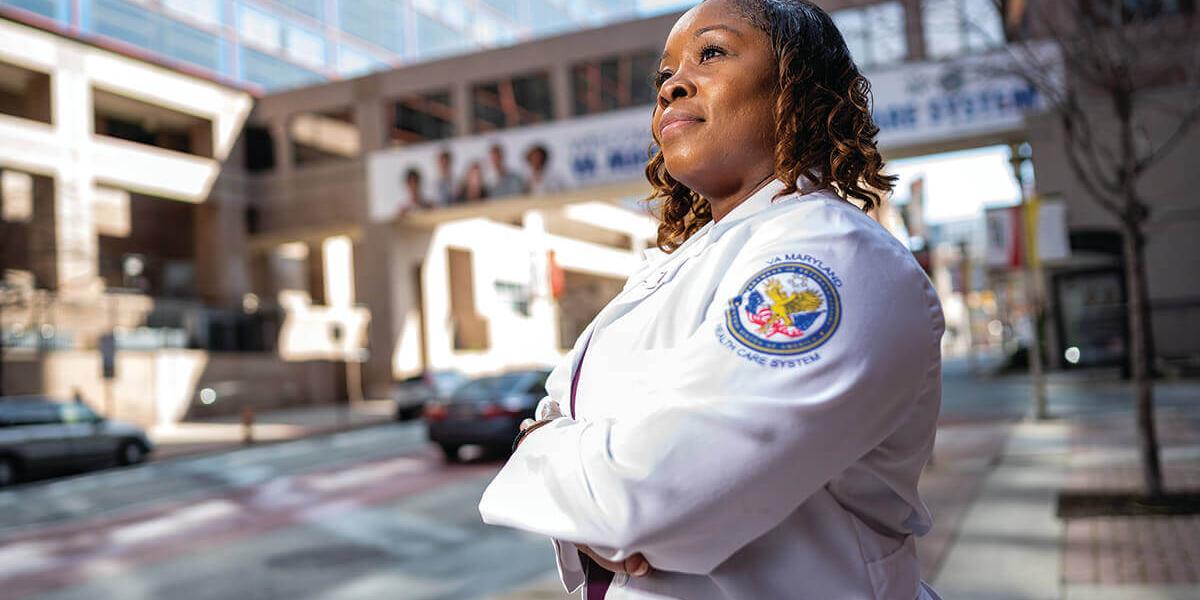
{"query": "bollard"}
[(247, 425)]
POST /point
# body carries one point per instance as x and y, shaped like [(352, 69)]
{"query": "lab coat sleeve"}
[(735, 443)]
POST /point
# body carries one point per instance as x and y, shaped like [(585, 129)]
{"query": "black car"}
[(412, 394), (41, 436), (486, 411)]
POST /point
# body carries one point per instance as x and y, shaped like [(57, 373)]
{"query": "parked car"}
[(487, 411), (40, 436), (413, 393)]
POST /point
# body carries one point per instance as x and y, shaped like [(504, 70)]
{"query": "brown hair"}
[(823, 124)]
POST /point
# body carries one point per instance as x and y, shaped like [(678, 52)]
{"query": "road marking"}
[(37, 561)]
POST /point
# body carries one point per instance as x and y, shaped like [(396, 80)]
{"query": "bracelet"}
[(521, 435)]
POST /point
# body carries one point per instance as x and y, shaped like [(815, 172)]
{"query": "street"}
[(377, 513), (364, 514)]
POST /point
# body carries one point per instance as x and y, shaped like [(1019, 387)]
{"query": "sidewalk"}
[(222, 433), (993, 487), (1013, 546)]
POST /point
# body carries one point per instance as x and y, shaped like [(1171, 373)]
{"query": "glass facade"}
[(874, 34), (957, 27), (280, 44)]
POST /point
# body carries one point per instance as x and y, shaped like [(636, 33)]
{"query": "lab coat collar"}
[(711, 231), (756, 202)]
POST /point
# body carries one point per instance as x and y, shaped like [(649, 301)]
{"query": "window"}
[(144, 256), (77, 413), (47, 8), (24, 93), (514, 295), (508, 8), (613, 83), (511, 102), (16, 197), (470, 330), (260, 148), (304, 47), (1108, 13), (380, 22), (259, 28), (423, 117), (352, 62), (273, 73), (204, 11), (136, 121), (30, 413), (158, 33), (875, 34), (436, 38), (311, 8), (957, 27)]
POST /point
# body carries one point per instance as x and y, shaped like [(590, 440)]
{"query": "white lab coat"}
[(744, 454)]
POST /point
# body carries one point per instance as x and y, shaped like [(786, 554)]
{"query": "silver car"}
[(39, 436)]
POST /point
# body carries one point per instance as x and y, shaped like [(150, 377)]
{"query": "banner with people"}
[(534, 160)]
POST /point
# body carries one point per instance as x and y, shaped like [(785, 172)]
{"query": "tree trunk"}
[(1, 347), (1139, 354)]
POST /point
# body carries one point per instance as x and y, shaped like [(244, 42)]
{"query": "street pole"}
[(968, 286), (1031, 268)]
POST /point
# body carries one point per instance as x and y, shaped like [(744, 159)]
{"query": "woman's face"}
[(715, 119)]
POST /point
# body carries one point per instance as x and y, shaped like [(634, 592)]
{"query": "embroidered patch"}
[(786, 309)]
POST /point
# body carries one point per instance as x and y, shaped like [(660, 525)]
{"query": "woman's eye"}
[(708, 52), (660, 78)]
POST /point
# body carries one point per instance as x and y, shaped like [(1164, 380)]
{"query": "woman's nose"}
[(674, 88)]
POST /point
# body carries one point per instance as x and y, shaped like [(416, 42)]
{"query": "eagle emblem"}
[(787, 308)]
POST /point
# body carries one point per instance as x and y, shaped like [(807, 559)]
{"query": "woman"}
[(472, 188), (748, 418), (542, 180)]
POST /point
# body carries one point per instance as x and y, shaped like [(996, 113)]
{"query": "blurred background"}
[(278, 279)]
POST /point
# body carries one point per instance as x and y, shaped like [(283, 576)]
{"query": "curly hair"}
[(823, 126)]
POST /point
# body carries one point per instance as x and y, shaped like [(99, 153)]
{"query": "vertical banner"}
[(1004, 237)]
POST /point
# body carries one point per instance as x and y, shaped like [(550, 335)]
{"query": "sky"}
[(959, 185)]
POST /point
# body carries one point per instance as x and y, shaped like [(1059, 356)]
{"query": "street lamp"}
[(1019, 154)]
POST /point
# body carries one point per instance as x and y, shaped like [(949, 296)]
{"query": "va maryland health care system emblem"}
[(784, 313)]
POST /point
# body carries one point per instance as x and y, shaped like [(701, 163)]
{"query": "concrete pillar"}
[(542, 307), (560, 90), (914, 29), (281, 139), (369, 115), (460, 97), (373, 288), (76, 243), (387, 260)]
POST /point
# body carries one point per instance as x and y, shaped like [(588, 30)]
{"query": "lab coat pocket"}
[(896, 576)]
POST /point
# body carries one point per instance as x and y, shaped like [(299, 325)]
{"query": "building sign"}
[(924, 103), (915, 104), (574, 153)]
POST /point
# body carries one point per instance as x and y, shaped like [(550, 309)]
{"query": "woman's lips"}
[(676, 121), (677, 125)]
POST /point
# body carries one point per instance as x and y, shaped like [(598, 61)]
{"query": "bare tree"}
[(1123, 65)]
